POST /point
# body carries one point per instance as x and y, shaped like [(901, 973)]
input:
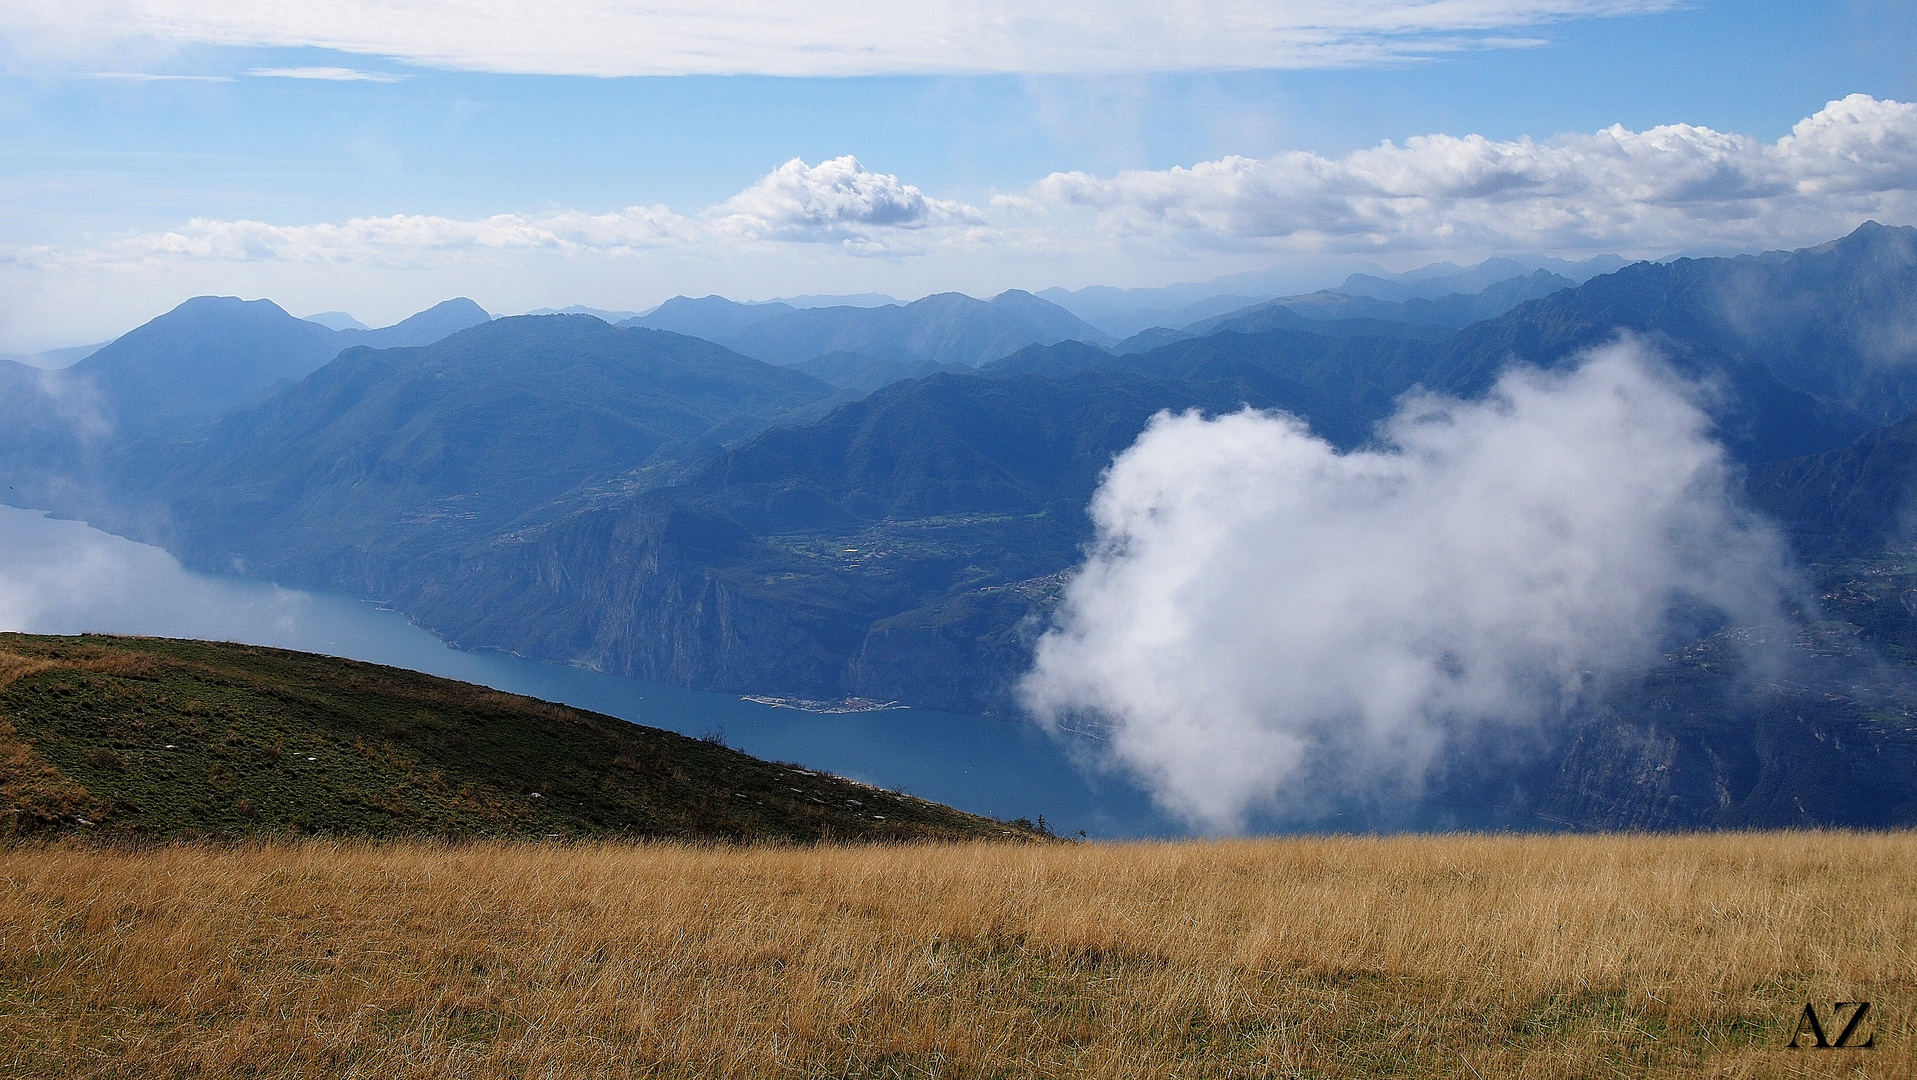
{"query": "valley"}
[(654, 505)]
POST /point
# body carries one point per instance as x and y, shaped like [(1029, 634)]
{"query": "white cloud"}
[(1670, 187), (837, 202), (1264, 621), (326, 74), (397, 240), (1433, 197), (826, 37), (838, 199), (142, 76)]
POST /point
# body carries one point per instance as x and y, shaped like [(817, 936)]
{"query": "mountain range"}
[(386, 455), (885, 501), (215, 353), (947, 328), (1450, 310), (1124, 312)]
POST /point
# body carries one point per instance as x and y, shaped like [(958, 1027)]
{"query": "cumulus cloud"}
[(838, 199), (825, 37), (1670, 187), (1264, 621)]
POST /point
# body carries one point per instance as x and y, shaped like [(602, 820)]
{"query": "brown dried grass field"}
[(1459, 956)]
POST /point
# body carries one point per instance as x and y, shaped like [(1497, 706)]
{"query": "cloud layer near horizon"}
[(1640, 193), (820, 37), (1264, 623), (1670, 187)]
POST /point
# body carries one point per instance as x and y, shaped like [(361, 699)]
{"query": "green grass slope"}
[(158, 738)]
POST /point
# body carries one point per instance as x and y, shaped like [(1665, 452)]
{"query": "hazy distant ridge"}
[(949, 328)]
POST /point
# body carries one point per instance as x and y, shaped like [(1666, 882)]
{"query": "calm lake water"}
[(63, 577)]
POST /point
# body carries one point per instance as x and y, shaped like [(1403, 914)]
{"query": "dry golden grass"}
[(1417, 956)]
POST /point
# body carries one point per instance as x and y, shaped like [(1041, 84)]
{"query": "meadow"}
[(1455, 956)]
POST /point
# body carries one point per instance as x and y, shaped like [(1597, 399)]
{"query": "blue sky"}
[(507, 173)]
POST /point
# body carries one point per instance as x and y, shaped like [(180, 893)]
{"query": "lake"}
[(64, 577)]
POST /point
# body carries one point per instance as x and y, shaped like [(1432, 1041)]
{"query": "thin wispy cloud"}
[(1646, 193), (143, 76), (828, 38), (404, 239), (326, 74)]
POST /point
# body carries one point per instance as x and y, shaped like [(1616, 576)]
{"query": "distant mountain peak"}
[(461, 304), (201, 305), (1869, 235), (1019, 298), (441, 320), (709, 317), (211, 354), (337, 320)]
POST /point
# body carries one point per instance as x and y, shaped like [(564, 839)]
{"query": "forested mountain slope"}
[(386, 456)]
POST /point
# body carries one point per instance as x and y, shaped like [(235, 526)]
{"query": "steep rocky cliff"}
[(651, 589), (1800, 726)]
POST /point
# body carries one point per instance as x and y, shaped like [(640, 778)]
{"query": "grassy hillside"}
[(1455, 958), (150, 737)]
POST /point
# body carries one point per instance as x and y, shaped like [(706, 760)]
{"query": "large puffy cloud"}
[(838, 199), (1670, 187), (1265, 622), (820, 37)]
